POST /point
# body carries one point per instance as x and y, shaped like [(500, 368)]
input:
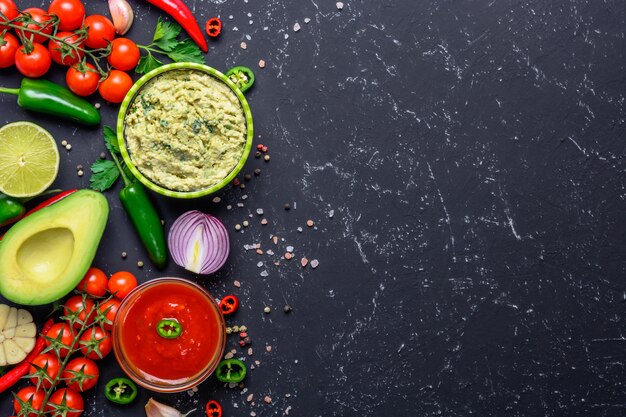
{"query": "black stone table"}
[(463, 162)]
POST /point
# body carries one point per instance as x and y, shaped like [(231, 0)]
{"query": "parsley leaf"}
[(110, 139), (147, 63), (104, 174), (186, 51), (165, 35)]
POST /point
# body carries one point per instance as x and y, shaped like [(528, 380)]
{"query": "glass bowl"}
[(128, 100), (169, 364)]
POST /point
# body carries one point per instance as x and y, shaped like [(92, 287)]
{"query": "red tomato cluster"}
[(33, 53), (81, 373)]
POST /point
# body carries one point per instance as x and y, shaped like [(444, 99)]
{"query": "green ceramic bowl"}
[(122, 141)]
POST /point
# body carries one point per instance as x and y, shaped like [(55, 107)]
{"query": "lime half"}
[(29, 159)]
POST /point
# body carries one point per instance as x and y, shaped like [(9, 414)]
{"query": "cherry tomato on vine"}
[(8, 50), (109, 308), (30, 395), (93, 337), (124, 54), (58, 49), (47, 362), (33, 64), (83, 309), (121, 283), (40, 16), (9, 9), (81, 374), (65, 399), (100, 31), (83, 81), (64, 333), (113, 90), (70, 13), (95, 280)]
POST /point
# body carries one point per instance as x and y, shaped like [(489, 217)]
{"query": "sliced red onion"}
[(199, 242)]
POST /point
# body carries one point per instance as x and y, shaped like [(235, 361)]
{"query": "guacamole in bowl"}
[(185, 130)]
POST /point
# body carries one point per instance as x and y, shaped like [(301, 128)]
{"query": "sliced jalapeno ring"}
[(242, 77), (231, 370), (120, 390), (169, 328)]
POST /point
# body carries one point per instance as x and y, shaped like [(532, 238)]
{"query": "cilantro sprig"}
[(165, 42), (105, 172)]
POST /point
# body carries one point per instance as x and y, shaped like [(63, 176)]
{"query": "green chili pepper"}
[(169, 328), (120, 390), (242, 77), (11, 210), (49, 98), (146, 220), (231, 370)]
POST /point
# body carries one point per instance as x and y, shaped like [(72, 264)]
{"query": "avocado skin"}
[(45, 255)]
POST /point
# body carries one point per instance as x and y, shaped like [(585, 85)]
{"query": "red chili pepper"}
[(14, 375), (214, 27), (213, 409), (181, 13), (47, 203), (229, 304)]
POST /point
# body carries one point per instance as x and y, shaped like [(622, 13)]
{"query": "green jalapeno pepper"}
[(11, 210), (242, 77), (169, 328), (120, 390), (230, 370), (49, 98)]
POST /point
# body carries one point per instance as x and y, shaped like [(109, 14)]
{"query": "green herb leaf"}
[(147, 63), (187, 51), (165, 35), (110, 139), (104, 174)]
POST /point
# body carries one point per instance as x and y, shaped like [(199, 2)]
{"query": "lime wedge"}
[(29, 159)]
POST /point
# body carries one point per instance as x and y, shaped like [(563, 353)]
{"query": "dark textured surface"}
[(473, 155)]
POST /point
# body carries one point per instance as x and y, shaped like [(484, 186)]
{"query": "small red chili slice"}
[(214, 27), (213, 409), (229, 304)]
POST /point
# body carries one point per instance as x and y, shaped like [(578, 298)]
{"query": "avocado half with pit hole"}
[(45, 255)]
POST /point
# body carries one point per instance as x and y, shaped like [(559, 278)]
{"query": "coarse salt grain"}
[(296, 27), (267, 399), (250, 397), (304, 262), (314, 263), (307, 20), (261, 64), (243, 45), (339, 5), (237, 284)]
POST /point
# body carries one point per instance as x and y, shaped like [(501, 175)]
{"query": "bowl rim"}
[(122, 141), (125, 364)]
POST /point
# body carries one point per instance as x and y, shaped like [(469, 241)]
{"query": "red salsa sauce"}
[(171, 360)]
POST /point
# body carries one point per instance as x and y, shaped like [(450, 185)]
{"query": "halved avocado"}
[(45, 255)]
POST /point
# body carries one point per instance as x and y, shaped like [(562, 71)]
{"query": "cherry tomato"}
[(35, 64), (48, 362), (94, 282), (93, 337), (8, 50), (83, 310), (84, 84), (100, 31), (40, 16), (64, 333), (65, 399), (113, 90), (81, 374), (9, 9), (57, 48), (124, 54), (109, 308), (70, 13), (30, 395), (121, 283)]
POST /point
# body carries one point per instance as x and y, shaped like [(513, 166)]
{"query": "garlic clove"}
[(122, 15)]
